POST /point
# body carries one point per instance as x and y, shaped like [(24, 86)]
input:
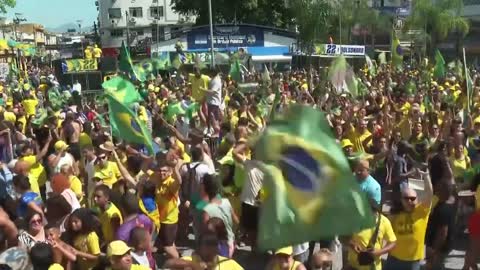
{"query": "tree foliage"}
[(4, 4), (439, 18), (313, 20), (264, 12)]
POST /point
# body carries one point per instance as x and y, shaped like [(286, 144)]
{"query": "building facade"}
[(137, 22)]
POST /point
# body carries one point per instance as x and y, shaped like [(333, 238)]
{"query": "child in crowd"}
[(140, 242), (63, 254), (28, 198), (147, 203), (75, 183), (84, 238), (109, 215)]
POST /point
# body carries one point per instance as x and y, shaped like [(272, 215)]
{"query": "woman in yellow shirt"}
[(84, 238), (460, 163)]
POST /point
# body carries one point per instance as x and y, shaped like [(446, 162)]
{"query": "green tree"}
[(4, 4), (264, 12), (438, 19), (313, 21), (376, 23)]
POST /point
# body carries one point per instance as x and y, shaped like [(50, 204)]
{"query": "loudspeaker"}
[(108, 64)]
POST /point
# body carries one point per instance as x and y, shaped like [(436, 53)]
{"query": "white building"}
[(137, 20)]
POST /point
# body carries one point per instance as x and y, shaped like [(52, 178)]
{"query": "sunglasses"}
[(412, 199), (36, 221)]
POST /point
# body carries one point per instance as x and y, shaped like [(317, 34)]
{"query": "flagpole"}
[(466, 78), (211, 33)]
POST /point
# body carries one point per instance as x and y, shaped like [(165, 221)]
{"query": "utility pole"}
[(212, 45), (128, 29)]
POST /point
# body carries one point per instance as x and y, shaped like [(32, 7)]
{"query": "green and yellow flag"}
[(125, 62), (122, 90), (236, 71), (126, 125), (397, 52), (310, 190)]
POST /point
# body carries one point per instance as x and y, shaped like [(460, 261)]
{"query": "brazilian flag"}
[(122, 90), (397, 52), (310, 190), (126, 125)]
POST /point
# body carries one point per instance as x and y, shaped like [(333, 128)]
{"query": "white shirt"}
[(215, 98), (67, 159), (141, 259), (71, 199), (253, 183), (300, 248), (77, 87)]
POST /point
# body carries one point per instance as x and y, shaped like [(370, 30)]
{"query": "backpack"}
[(188, 184)]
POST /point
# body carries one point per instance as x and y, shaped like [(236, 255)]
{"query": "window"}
[(115, 13), (156, 12), (136, 12), (116, 33)]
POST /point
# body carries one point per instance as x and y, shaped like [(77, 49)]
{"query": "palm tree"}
[(438, 19), (376, 23)]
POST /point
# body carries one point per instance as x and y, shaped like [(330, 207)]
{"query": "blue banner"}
[(225, 37)]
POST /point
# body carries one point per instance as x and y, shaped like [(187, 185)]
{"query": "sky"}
[(54, 13)]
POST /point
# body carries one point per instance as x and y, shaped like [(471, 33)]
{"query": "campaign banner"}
[(225, 37), (75, 65), (334, 49)]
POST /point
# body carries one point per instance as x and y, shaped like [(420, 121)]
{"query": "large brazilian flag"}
[(126, 125), (122, 90), (310, 190)]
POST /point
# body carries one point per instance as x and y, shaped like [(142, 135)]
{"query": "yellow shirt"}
[(88, 53), (385, 233), (410, 231), (357, 139), (36, 174), (84, 140), (222, 262), (202, 82), (459, 166), (10, 117), (167, 200), (30, 106), (106, 221), (109, 174), (76, 186), (185, 157), (88, 244), (22, 119), (97, 52)]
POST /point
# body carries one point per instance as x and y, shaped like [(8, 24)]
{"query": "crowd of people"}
[(73, 196)]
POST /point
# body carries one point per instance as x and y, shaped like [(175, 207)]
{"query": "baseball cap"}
[(286, 251), (60, 145), (117, 248)]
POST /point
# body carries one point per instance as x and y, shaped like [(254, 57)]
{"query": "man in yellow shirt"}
[(97, 52), (371, 241), (120, 259), (30, 105), (88, 52), (198, 82), (205, 257), (106, 171), (410, 225), (168, 181), (36, 172), (359, 136), (110, 216)]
